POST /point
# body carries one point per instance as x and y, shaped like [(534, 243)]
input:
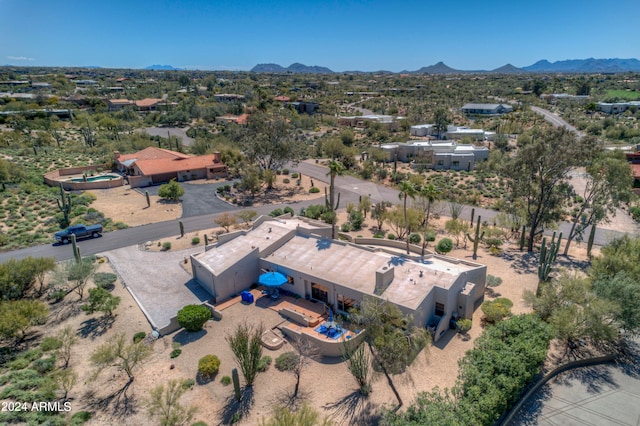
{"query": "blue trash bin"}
[(249, 297)]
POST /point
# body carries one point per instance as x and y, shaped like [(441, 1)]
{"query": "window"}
[(440, 162), (440, 309), (345, 303), (290, 280), (456, 164), (319, 292)]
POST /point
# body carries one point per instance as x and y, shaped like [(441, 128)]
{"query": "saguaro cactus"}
[(76, 249), (592, 235), (181, 229), (206, 240), (473, 213), (476, 240), (64, 204), (548, 256), (236, 383), (146, 194)]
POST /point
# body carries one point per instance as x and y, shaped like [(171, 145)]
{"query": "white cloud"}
[(20, 58)]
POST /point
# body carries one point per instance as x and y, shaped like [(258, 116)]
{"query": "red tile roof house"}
[(155, 165), (148, 104)]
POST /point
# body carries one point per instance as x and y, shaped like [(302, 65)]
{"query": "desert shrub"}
[(356, 218), (208, 366), (166, 246), (175, 353), (193, 317), (19, 363), (276, 213), (50, 344), (195, 240), (345, 227), (200, 423), (496, 310), (415, 238), (289, 210), (285, 180), (226, 380), (188, 383), (314, 190), (44, 365), (294, 175), (285, 171), (139, 336), (493, 281), (378, 235), (32, 354), (105, 280), (287, 361), (264, 364), (445, 245), (80, 417), (463, 325), (391, 236)]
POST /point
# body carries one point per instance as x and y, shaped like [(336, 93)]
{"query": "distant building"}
[(421, 130), (363, 121), (155, 165), (228, 97), (148, 104), (118, 104), (617, 107), (230, 118), (340, 274), (487, 110), (438, 155), (303, 107)]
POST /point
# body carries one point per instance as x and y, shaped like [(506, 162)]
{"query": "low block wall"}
[(54, 178), (326, 347)]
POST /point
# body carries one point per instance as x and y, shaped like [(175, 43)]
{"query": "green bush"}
[(80, 417), (289, 210), (345, 227), (415, 238), (493, 281), (166, 246), (496, 310), (175, 353), (287, 361), (285, 171), (193, 317), (19, 363), (188, 383), (445, 245), (391, 236), (50, 344), (285, 180), (140, 335), (294, 175), (105, 280), (276, 213), (208, 366), (44, 365), (32, 354), (264, 364), (378, 235), (314, 190), (463, 325), (195, 240), (226, 380)]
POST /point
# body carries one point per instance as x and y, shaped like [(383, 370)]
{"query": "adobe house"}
[(156, 165), (433, 289)]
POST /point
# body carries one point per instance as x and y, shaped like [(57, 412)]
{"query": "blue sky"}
[(342, 35)]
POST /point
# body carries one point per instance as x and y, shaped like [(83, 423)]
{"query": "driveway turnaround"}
[(200, 199), (158, 283), (602, 395)]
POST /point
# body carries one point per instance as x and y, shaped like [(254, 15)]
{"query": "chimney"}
[(217, 158)]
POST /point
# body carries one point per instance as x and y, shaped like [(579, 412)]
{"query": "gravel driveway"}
[(157, 281)]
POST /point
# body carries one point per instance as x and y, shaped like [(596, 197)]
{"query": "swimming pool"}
[(95, 178)]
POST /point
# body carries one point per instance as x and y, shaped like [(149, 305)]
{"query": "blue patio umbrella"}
[(272, 279)]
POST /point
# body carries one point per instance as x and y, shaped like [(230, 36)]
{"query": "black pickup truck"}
[(80, 231)]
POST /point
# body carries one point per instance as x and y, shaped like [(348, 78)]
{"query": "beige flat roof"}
[(355, 267)]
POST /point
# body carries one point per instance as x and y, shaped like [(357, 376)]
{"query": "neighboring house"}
[(282, 98), (634, 162), (486, 109), (617, 107), (340, 274), (118, 104), (41, 85), (303, 107), (421, 130), (228, 97), (86, 82), (148, 104), (455, 132), (156, 165), (438, 155)]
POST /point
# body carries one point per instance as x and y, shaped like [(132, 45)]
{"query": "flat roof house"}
[(339, 274), (422, 130), (438, 155), (617, 107), (486, 110), (156, 165)]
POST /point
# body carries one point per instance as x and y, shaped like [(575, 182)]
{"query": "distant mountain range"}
[(162, 68), (296, 68), (589, 65)]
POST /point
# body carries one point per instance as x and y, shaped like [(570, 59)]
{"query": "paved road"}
[(173, 131), (555, 120), (350, 188)]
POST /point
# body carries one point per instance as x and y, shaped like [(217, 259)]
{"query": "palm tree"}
[(407, 190), (430, 193), (335, 168)]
